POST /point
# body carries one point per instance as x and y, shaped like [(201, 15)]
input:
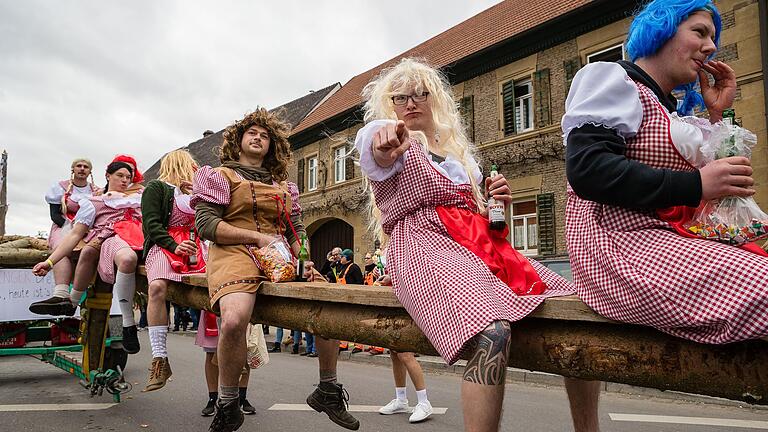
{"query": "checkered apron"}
[(157, 263), (448, 290), (630, 266)]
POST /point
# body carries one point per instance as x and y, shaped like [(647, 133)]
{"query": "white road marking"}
[(352, 408), (56, 407), (700, 421)]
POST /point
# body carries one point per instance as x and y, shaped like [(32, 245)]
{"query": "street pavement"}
[(28, 388)]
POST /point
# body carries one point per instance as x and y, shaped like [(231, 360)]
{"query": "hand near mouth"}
[(718, 96)]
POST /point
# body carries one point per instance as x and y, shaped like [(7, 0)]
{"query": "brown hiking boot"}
[(331, 398), (159, 373)]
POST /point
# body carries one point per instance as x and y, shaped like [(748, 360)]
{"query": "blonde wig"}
[(71, 185), (177, 167), (415, 76), (279, 154)]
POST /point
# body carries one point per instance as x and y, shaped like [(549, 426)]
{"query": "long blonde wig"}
[(412, 75), (176, 167)]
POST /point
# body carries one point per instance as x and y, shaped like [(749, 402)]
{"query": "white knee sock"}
[(157, 338), (421, 395), (124, 289), (75, 296), (61, 290), (400, 393)]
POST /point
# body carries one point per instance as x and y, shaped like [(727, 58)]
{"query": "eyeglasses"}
[(402, 99)]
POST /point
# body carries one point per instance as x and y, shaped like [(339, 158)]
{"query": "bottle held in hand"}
[(496, 218), (192, 258), (303, 258)]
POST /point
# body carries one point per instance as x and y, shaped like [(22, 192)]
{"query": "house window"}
[(517, 99), (339, 165), (312, 173), (525, 227), (612, 54)]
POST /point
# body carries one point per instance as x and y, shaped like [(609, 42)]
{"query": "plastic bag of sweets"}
[(732, 220), (275, 260)]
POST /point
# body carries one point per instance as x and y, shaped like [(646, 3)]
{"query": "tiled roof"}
[(493, 25), (204, 150)]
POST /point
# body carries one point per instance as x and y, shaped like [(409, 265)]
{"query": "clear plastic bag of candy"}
[(275, 260), (732, 220)]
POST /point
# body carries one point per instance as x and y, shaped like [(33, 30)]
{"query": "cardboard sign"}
[(19, 288)]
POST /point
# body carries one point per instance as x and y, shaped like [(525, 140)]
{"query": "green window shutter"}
[(349, 163), (467, 112), (571, 66), (508, 101), (541, 92), (300, 175), (545, 217)]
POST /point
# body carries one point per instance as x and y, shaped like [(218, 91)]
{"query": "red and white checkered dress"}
[(157, 264), (447, 289), (630, 266), (54, 196), (105, 216)]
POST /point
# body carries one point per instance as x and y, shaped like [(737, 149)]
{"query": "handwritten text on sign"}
[(19, 288)]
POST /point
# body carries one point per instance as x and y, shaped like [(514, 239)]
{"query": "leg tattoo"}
[(489, 348)]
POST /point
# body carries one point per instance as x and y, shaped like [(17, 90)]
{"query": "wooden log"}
[(20, 258), (22, 243), (10, 237), (562, 337)]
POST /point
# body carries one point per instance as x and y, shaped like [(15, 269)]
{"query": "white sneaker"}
[(421, 411), (396, 406)]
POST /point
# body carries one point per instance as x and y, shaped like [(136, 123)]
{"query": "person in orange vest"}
[(369, 277), (349, 273)]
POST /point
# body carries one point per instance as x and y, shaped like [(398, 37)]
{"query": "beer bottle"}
[(379, 264), (192, 258), (497, 220), (729, 116), (303, 258)]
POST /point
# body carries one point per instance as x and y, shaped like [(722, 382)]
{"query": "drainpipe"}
[(762, 8)]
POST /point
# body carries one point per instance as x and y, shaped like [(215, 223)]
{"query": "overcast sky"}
[(98, 78)]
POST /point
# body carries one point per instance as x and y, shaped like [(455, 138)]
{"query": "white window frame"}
[(524, 217), (339, 165), (520, 110), (312, 172), (602, 51)]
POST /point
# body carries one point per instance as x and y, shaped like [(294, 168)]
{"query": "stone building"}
[(510, 67)]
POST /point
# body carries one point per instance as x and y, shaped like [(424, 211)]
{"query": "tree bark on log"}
[(587, 349), (20, 258)]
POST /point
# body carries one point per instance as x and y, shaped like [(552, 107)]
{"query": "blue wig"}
[(657, 23)]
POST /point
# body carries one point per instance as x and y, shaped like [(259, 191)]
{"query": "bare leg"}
[(211, 373), (398, 369), (86, 268), (328, 355), (482, 391), (62, 272), (244, 378), (414, 370), (236, 309), (583, 397), (157, 314)]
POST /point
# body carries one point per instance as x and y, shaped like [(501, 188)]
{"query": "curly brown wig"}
[(279, 153)]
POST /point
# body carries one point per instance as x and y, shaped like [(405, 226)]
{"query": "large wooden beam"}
[(563, 336)]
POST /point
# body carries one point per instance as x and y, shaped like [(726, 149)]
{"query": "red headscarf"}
[(137, 177)]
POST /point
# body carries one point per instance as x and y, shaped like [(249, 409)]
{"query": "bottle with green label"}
[(303, 258), (497, 220), (729, 116)]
